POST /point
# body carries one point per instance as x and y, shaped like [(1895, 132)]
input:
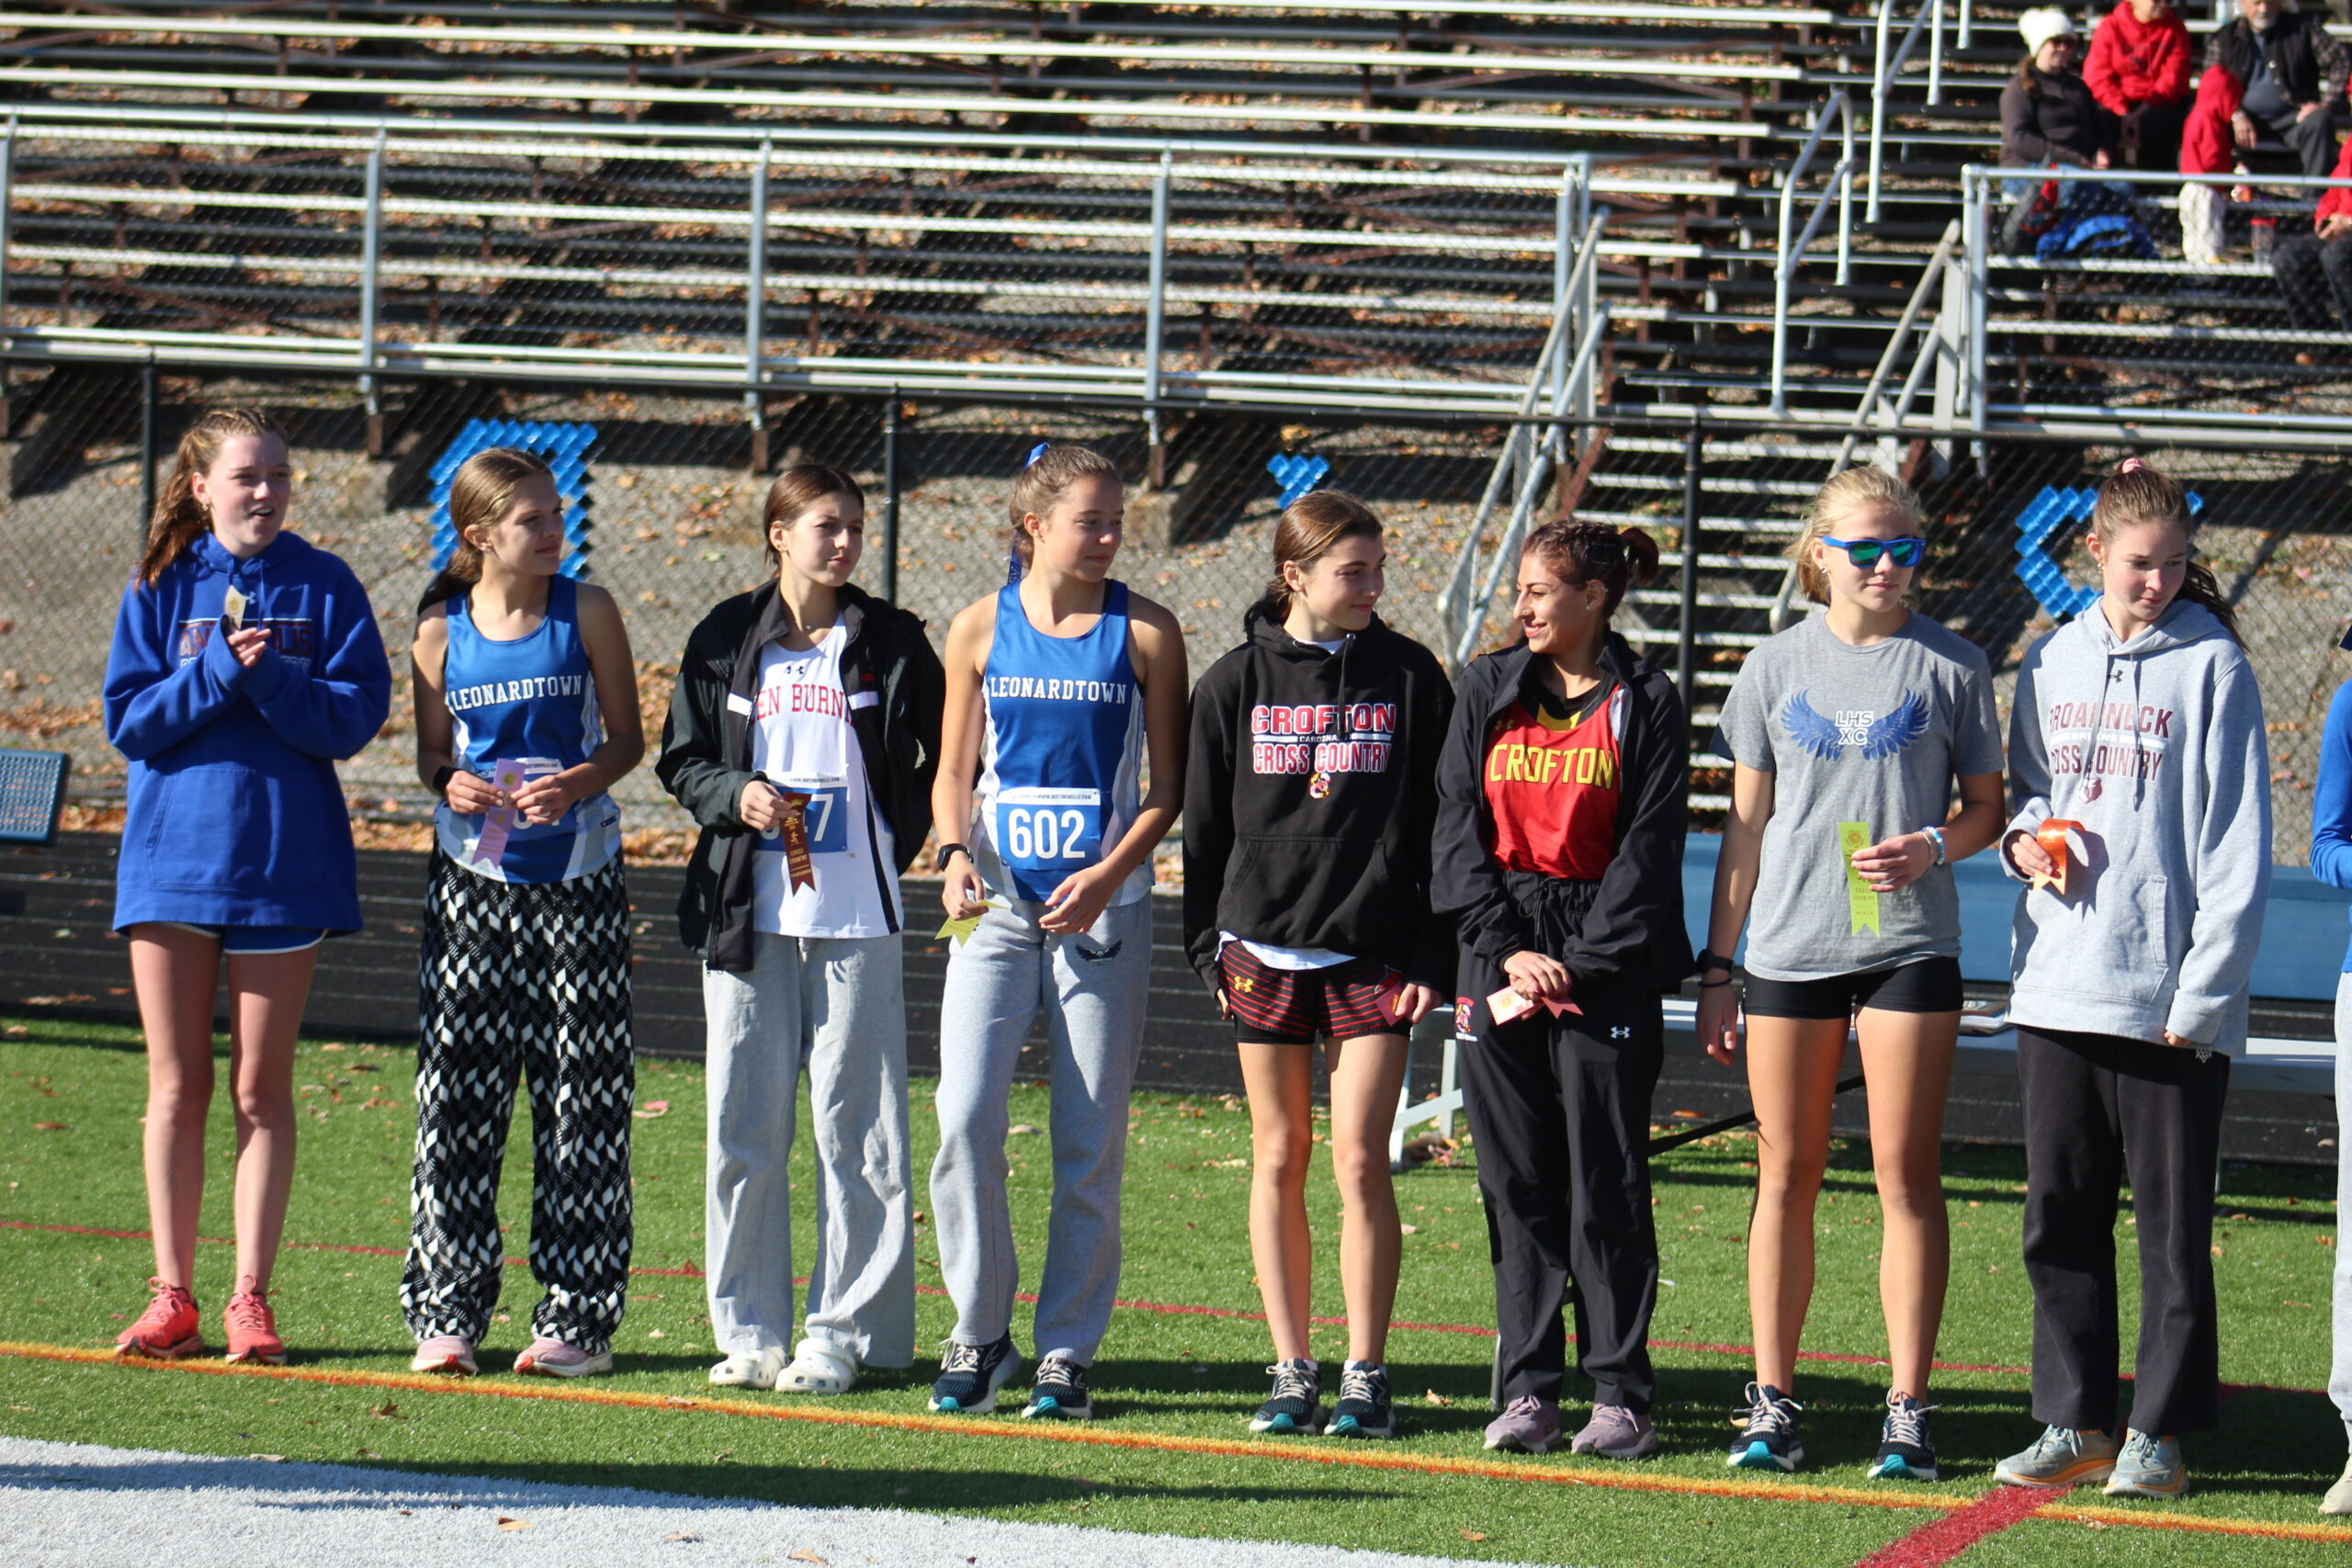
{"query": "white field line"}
[(80, 1506)]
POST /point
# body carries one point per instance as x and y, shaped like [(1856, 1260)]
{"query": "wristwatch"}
[(441, 777), (1715, 961), (948, 852)]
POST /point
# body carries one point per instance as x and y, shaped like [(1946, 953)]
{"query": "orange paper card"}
[(2058, 839)]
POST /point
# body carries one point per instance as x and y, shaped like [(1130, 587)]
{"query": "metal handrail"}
[(1885, 72), (1841, 183)]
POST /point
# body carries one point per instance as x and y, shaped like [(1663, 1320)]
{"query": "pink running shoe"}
[(553, 1358), (252, 1330), (448, 1354), (167, 1330)]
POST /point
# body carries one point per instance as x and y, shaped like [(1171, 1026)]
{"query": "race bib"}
[(1043, 835), (825, 814)]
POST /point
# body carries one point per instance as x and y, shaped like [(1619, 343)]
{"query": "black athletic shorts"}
[(1292, 1006), (1929, 984)]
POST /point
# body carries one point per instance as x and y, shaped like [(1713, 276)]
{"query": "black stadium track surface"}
[(57, 955)]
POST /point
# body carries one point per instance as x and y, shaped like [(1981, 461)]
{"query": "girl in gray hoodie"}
[(2136, 750)]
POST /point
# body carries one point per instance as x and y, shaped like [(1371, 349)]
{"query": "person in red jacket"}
[(2138, 70), (2314, 270)]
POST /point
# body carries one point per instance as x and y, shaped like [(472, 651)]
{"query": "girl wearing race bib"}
[(245, 664), (2140, 755), (1310, 798), (1059, 689), (1847, 733), (803, 736), (525, 716), (1565, 790)]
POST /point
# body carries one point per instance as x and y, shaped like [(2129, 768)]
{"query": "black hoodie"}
[(707, 747), (1267, 858), (1630, 921)]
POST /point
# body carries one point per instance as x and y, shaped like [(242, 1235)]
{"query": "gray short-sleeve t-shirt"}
[(1865, 743)]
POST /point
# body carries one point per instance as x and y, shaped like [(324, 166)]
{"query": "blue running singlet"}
[(532, 701), (1061, 751)]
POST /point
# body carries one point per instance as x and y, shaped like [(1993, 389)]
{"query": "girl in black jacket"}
[(803, 736), (1309, 803), (1566, 788)]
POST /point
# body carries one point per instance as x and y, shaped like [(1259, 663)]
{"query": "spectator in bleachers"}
[(2048, 116), (2314, 270), (2290, 76), (2138, 72)]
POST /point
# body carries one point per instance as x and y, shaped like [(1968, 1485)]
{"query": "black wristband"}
[(948, 852), (441, 777), (1712, 960)]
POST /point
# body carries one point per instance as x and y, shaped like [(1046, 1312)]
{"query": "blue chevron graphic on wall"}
[(1297, 473), (565, 446)]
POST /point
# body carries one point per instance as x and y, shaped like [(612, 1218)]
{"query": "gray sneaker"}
[(2148, 1467), (1531, 1426), (2060, 1457), (2339, 1496), (1615, 1432)]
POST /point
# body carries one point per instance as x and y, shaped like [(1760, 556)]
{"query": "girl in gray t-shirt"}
[(1847, 733)]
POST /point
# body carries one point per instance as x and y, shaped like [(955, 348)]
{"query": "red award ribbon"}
[(795, 840)]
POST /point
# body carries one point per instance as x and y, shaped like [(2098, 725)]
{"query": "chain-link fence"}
[(674, 497)]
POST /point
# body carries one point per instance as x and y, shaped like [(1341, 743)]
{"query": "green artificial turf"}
[(1187, 1374)]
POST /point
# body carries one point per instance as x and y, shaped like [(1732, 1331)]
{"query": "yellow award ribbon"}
[(1861, 902), (958, 930)]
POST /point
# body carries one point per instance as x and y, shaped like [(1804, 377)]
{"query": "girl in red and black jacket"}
[(2138, 70), (1309, 803), (1566, 788)]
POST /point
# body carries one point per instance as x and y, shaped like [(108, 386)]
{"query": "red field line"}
[(1940, 1540), (965, 1427)]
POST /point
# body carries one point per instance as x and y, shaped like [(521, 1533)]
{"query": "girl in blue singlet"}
[(525, 716), (1058, 688)]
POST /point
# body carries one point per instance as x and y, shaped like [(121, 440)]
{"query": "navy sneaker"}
[(1363, 1410), (1768, 1436), (1296, 1407), (1906, 1447), (969, 1376), (1059, 1392)]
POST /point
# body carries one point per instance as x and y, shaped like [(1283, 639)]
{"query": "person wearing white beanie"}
[(2048, 116)]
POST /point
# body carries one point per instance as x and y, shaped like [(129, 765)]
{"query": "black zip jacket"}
[(1628, 923), (706, 747), (1264, 858)]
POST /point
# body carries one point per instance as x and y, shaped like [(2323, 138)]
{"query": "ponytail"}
[(478, 494), (1592, 552)]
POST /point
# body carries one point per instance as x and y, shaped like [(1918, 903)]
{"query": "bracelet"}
[(1935, 837)]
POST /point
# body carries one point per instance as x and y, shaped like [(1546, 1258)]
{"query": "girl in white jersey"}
[(802, 737), (1058, 688)]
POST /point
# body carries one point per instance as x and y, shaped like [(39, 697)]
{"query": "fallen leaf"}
[(652, 1108), (655, 1334), (385, 1411), (49, 1127), (273, 1459), (1409, 1230), (1474, 1535), (682, 1535), (1433, 1397), (805, 1555), (506, 1523), (1022, 1129)]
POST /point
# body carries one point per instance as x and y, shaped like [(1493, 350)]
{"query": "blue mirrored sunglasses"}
[(1864, 553)]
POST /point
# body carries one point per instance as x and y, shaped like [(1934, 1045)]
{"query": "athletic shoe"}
[(2062, 1456), (1906, 1447), (1767, 1431), (748, 1369), (448, 1354), (2339, 1496), (1296, 1407), (969, 1376), (818, 1367), (252, 1330), (167, 1330), (1527, 1426), (548, 1358), (2148, 1467), (1058, 1392), (1615, 1432), (1363, 1410)]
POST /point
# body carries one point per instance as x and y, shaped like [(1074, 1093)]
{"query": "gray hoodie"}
[(2155, 746)]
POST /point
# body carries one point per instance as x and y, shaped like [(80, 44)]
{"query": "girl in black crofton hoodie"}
[(1309, 803), (1566, 785)]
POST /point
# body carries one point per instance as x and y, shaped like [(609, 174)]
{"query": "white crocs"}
[(818, 1368), (748, 1369)]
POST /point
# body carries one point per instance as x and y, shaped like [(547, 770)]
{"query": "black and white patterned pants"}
[(530, 980)]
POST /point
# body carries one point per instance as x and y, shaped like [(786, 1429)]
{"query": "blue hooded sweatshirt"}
[(236, 816)]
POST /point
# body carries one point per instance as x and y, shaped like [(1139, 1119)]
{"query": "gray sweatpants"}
[(1092, 989), (837, 1004), (2339, 1377)]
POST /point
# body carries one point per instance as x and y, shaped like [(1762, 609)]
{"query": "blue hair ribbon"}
[(1036, 452)]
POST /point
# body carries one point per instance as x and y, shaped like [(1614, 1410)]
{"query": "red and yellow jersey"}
[(1553, 786)]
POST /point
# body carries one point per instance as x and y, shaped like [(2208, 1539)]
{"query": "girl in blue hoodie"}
[(2143, 789), (245, 664), (526, 717)]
